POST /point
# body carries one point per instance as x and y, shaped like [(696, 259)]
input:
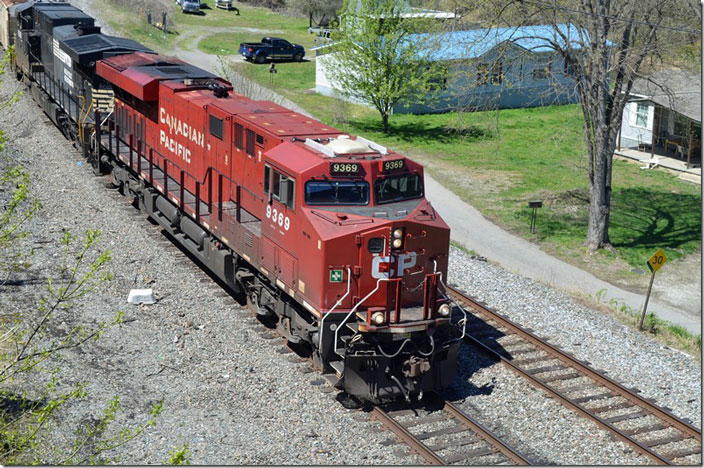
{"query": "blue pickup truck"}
[(272, 48)]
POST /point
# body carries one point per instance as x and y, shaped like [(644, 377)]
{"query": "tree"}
[(382, 58), (605, 48), (318, 11)]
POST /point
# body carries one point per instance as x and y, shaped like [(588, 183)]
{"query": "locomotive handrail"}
[(339, 301), (354, 309)]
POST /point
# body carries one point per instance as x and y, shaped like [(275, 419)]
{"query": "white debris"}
[(141, 296)]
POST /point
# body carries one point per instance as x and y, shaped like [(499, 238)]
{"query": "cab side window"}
[(279, 186)]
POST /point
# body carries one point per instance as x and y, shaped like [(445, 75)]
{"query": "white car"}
[(225, 4)]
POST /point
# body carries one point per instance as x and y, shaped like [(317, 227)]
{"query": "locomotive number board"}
[(392, 165), (345, 168)]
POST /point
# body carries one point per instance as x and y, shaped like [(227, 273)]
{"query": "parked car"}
[(189, 6), (271, 48), (224, 4)]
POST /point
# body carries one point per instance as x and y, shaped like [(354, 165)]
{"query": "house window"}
[(540, 72), (482, 74), (216, 127), (497, 75), (642, 115)]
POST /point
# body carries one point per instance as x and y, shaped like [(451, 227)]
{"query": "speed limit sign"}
[(657, 260)]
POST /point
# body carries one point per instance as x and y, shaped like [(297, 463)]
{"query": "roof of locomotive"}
[(91, 47), (289, 123)]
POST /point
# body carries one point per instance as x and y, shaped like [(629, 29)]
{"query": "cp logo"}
[(382, 266)]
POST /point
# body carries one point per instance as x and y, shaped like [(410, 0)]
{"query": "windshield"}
[(337, 192), (398, 188)]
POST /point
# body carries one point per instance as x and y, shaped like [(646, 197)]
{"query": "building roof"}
[(473, 43), (673, 88)]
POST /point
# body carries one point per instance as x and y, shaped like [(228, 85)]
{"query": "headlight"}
[(398, 233), (378, 318), (397, 243), (444, 310)]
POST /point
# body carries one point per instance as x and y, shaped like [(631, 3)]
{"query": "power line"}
[(616, 18)]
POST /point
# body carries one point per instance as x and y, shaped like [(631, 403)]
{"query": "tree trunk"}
[(600, 189), (385, 122)]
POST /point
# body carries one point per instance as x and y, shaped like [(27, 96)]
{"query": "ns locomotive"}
[(327, 234)]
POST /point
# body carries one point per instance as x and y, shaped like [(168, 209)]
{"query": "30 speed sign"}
[(657, 260)]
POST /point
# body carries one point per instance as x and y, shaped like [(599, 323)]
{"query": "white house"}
[(664, 115), (487, 69)]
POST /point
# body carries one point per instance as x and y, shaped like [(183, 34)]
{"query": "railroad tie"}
[(603, 409), (683, 453), (555, 378), (663, 440), (423, 420), (471, 454), (541, 370), (625, 417), (448, 430), (645, 429), (600, 396)]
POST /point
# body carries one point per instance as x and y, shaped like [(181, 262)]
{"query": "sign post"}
[(654, 263)]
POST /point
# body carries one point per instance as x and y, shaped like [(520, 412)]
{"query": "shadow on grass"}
[(648, 219), (642, 220), (420, 131)]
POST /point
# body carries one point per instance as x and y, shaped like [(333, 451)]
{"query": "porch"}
[(662, 159)]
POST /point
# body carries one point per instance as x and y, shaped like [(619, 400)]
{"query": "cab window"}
[(398, 188), (337, 192), (279, 186)]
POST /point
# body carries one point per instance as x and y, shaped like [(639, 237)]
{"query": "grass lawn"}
[(495, 160)]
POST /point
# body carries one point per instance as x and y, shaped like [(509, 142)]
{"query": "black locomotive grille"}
[(248, 239)]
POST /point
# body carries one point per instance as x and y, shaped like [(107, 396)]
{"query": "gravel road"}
[(230, 390)]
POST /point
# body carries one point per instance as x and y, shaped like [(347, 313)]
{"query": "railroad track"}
[(649, 429), (457, 438)]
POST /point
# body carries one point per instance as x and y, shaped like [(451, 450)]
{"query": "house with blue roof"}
[(493, 68)]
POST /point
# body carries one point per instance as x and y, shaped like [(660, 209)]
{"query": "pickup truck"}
[(271, 48)]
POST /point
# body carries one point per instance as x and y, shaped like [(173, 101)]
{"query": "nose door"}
[(378, 268)]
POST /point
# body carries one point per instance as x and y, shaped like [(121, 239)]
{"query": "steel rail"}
[(466, 423), (617, 389), (405, 435), (486, 434)]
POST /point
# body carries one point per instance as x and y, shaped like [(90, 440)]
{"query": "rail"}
[(559, 387), (459, 431)]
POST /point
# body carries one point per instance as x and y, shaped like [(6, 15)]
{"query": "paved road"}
[(474, 231)]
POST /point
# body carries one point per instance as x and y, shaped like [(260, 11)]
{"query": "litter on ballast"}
[(141, 296)]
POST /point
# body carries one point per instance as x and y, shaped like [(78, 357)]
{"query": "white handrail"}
[(320, 338), (464, 320), (337, 330)]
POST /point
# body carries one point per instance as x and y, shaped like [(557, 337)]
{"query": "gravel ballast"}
[(228, 390)]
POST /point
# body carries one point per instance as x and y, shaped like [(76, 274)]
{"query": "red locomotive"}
[(328, 235)]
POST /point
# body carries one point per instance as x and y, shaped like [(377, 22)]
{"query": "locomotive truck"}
[(326, 234)]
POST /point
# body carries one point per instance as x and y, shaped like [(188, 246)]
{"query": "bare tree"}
[(604, 43)]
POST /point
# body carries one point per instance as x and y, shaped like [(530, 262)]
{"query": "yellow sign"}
[(657, 260)]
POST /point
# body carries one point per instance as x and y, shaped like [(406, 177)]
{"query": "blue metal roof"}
[(477, 42)]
